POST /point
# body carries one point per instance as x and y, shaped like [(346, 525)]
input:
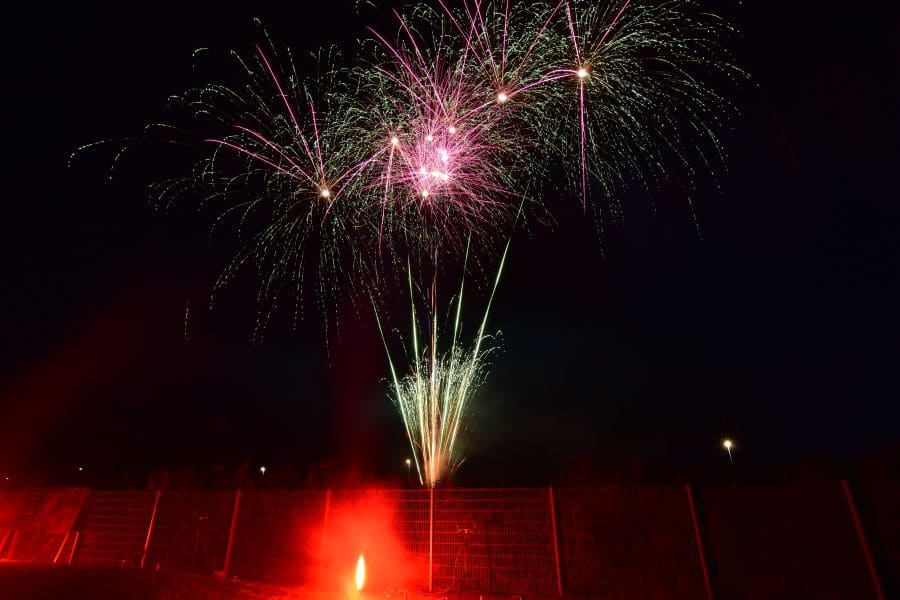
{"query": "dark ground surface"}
[(19, 581)]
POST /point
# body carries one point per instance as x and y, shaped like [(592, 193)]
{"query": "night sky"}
[(771, 318)]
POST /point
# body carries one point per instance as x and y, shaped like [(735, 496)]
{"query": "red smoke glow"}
[(362, 526)]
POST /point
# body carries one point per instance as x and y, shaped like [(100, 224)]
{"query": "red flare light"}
[(360, 573)]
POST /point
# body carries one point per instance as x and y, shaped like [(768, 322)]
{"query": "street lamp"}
[(728, 445)]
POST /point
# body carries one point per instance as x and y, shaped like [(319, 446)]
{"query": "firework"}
[(278, 173), (644, 101), (463, 114), (434, 398)]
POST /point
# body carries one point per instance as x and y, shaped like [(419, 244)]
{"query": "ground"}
[(19, 581)]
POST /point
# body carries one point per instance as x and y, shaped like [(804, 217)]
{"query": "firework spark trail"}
[(434, 398)]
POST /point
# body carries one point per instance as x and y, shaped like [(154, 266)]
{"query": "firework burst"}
[(279, 174), (459, 116), (642, 101), (451, 126)]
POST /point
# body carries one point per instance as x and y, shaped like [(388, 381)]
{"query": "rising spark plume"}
[(435, 398)]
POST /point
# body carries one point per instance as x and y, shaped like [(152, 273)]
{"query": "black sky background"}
[(777, 324)]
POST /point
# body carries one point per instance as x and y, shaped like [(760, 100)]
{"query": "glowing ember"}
[(360, 573)]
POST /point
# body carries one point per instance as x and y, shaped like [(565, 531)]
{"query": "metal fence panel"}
[(785, 541), (391, 527), (614, 542), (36, 525), (883, 500), (493, 541), (191, 531), (273, 536), (626, 542), (115, 528)]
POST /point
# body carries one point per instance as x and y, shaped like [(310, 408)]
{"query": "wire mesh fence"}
[(493, 540), (790, 540), (276, 536), (115, 528), (798, 540), (36, 525), (191, 531), (629, 542)]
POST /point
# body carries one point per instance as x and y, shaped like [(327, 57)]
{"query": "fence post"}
[(229, 548), (74, 546), (61, 546), (861, 534), (150, 527), (559, 585), (430, 539), (5, 536), (324, 543), (79, 525), (699, 539)]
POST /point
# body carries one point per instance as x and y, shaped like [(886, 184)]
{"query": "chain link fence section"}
[(623, 542), (36, 525), (786, 540), (277, 536), (612, 542), (493, 540), (399, 546), (191, 531), (115, 529), (880, 498)]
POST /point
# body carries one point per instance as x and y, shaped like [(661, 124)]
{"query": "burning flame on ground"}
[(360, 572)]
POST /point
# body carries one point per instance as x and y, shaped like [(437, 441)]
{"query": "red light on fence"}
[(360, 573)]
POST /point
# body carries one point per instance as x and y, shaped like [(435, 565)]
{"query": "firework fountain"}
[(434, 398), (437, 142)]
